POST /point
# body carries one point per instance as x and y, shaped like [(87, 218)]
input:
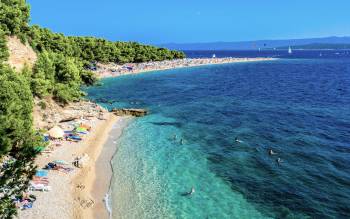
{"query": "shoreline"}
[(102, 182), (88, 176), (115, 70), (71, 192)]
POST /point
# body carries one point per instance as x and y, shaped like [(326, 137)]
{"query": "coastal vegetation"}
[(61, 69), (18, 139), (90, 49)]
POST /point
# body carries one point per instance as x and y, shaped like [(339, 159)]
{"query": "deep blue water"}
[(299, 108), (297, 54)]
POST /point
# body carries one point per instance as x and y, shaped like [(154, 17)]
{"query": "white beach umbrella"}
[(56, 132)]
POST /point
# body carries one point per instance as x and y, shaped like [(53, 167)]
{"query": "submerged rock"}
[(130, 112)]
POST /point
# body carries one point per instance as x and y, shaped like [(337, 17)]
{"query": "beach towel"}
[(27, 206), (62, 162), (41, 173), (74, 137)]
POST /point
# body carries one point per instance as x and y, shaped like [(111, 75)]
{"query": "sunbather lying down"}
[(59, 167), (25, 202)]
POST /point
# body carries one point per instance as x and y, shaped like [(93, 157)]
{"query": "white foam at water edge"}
[(107, 204)]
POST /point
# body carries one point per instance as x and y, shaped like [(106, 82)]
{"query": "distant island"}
[(255, 45), (319, 46)]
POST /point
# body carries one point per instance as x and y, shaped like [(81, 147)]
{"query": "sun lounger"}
[(39, 187), (42, 179), (39, 182)]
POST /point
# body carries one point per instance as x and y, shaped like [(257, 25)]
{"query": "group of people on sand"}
[(114, 69), (271, 152)]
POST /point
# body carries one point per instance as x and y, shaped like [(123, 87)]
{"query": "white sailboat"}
[(214, 56), (290, 50)]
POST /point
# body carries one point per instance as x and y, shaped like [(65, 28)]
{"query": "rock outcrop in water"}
[(130, 112)]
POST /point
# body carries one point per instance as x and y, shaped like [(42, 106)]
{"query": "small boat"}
[(214, 56), (290, 50)]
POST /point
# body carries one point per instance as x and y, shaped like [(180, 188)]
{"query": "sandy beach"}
[(97, 179), (115, 70), (76, 193)]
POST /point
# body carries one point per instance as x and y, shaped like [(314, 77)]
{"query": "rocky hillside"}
[(47, 113), (20, 54)]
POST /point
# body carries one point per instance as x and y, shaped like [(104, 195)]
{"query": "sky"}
[(189, 21)]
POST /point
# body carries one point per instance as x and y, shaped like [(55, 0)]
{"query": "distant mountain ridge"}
[(318, 46), (254, 45)]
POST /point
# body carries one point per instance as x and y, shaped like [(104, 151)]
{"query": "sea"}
[(211, 129)]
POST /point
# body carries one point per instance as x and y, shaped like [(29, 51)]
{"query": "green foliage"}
[(14, 16), (15, 109), (42, 105), (94, 49), (15, 176), (88, 77), (43, 75), (17, 138), (3, 48), (60, 76)]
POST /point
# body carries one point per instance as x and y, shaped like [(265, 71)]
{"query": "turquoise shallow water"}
[(152, 170), (299, 108)]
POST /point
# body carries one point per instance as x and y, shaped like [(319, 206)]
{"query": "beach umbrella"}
[(56, 132), (85, 126), (80, 129)]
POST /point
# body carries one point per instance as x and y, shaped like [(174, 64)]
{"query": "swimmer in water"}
[(271, 152), (279, 160), (181, 141), (237, 140), (174, 136), (189, 193)]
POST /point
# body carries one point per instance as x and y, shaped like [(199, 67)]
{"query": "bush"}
[(15, 109), (88, 77), (60, 76), (64, 93), (14, 16), (3, 47), (43, 75)]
